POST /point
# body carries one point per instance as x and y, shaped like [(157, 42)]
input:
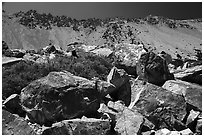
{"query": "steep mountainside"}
[(157, 33)]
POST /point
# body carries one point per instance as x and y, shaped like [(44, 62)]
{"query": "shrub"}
[(19, 75)]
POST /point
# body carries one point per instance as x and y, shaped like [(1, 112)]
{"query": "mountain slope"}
[(172, 36)]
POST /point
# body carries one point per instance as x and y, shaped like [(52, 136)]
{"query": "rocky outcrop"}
[(88, 126), (15, 125), (120, 79), (162, 107), (153, 69), (61, 95), (193, 75), (191, 92), (127, 56)]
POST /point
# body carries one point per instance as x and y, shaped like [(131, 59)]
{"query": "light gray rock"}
[(191, 92), (162, 107)]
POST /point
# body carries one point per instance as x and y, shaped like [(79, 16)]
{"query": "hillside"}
[(156, 33)]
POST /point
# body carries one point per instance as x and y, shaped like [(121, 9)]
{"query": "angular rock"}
[(186, 132), (191, 92), (120, 79), (12, 104), (124, 120), (89, 126), (192, 116), (162, 107), (128, 56), (153, 69), (193, 75), (129, 122), (14, 125), (61, 95)]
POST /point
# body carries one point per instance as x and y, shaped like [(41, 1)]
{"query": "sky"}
[(84, 10)]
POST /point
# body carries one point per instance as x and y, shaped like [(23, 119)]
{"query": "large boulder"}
[(61, 95), (127, 56), (193, 75), (89, 126), (153, 69), (162, 107), (120, 79), (191, 92), (15, 125)]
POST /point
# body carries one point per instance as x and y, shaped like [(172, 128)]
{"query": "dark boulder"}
[(120, 79), (61, 95), (153, 69)]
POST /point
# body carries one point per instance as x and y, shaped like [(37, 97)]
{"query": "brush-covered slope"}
[(34, 31)]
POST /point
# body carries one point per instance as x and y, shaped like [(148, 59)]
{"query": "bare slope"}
[(181, 40)]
